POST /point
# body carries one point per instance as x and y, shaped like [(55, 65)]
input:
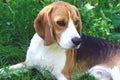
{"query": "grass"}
[(30, 75), (16, 30), (84, 76)]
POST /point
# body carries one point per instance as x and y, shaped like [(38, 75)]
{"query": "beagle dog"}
[(57, 47), (58, 32)]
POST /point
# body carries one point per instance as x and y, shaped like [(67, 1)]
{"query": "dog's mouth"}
[(76, 41), (73, 43), (78, 46)]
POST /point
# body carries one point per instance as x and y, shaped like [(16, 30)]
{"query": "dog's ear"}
[(79, 27), (43, 25)]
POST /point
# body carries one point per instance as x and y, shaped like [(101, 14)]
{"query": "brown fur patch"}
[(70, 61)]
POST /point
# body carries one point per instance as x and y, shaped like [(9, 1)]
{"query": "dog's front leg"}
[(20, 67)]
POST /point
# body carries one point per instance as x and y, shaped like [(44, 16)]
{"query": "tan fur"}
[(114, 61), (69, 63), (43, 25)]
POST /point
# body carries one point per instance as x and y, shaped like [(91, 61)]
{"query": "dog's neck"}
[(38, 42), (47, 55)]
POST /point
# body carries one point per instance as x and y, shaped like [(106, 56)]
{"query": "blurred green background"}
[(16, 27)]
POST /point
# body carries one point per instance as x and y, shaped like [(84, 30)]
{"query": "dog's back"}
[(94, 51)]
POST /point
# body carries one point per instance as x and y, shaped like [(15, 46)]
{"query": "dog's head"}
[(59, 22)]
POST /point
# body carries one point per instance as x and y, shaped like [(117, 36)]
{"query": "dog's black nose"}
[(76, 40)]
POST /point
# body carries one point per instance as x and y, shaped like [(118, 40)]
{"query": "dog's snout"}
[(76, 40)]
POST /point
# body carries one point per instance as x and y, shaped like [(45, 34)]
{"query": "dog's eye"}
[(61, 23), (76, 22)]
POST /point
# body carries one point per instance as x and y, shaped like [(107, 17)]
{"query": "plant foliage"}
[(16, 28)]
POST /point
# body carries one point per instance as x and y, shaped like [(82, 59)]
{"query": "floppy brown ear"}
[(43, 25), (79, 27)]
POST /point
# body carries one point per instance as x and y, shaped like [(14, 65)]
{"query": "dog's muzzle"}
[(76, 41)]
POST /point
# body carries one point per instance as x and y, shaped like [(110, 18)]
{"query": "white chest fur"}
[(51, 57)]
